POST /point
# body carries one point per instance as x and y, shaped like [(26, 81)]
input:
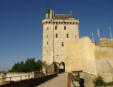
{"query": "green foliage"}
[(109, 83), (99, 81), (39, 65), (29, 65), (44, 64)]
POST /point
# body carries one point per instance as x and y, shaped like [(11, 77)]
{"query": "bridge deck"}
[(59, 81)]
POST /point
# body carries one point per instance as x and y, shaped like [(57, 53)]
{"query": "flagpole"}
[(98, 33), (110, 32)]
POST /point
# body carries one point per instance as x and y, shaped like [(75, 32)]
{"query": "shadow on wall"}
[(61, 67)]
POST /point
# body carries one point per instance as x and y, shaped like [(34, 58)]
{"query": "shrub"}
[(29, 65), (99, 81), (109, 83)]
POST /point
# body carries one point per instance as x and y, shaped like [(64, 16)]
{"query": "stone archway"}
[(62, 67)]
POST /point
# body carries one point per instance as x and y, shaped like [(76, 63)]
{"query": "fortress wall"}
[(103, 52), (104, 58), (105, 42), (72, 61), (81, 56), (104, 62)]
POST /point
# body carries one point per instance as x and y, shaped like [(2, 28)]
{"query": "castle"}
[(61, 43), (58, 31)]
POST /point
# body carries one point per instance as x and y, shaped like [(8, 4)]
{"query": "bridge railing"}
[(16, 78), (25, 82)]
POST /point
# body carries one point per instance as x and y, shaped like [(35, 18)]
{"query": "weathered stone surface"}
[(59, 81), (81, 56), (77, 53), (55, 40), (104, 62), (88, 79), (105, 42)]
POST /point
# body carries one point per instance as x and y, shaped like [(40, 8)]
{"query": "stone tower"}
[(58, 31)]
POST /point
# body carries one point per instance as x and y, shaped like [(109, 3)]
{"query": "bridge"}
[(59, 81), (51, 80), (72, 79)]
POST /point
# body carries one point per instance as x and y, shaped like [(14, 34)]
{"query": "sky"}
[(21, 24)]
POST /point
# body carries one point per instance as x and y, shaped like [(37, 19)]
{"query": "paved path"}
[(59, 81)]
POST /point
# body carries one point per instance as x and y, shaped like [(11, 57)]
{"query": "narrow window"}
[(64, 27), (56, 35), (47, 28), (62, 44), (47, 42), (67, 35), (55, 27), (47, 36)]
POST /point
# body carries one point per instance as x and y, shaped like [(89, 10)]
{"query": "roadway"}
[(59, 81)]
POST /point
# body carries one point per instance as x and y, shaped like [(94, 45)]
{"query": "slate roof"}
[(63, 16)]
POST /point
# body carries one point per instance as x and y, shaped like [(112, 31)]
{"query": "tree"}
[(39, 65), (17, 67), (29, 65)]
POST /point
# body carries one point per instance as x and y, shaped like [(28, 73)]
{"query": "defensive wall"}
[(96, 59)]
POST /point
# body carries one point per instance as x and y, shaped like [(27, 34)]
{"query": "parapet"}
[(105, 42)]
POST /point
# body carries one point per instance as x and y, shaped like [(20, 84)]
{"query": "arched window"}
[(47, 28)]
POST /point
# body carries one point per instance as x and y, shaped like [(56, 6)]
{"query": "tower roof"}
[(63, 16)]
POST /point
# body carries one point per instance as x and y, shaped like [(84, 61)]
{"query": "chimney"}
[(47, 13), (51, 13)]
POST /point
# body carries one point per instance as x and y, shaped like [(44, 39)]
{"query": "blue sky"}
[(21, 27)]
